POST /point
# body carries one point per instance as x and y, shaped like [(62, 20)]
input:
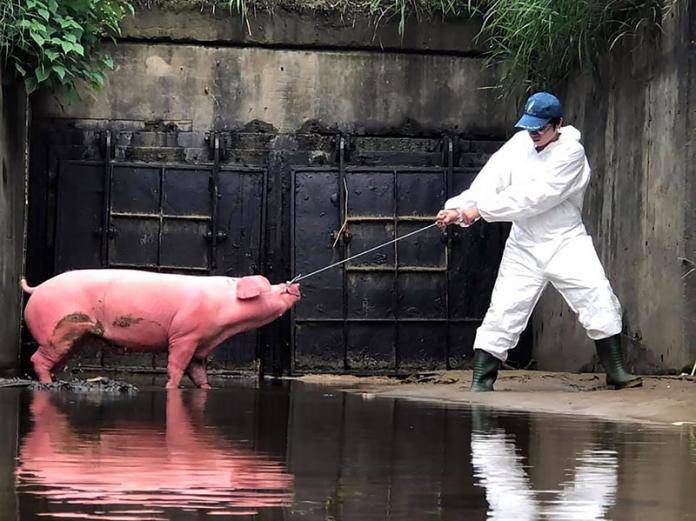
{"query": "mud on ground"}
[(90, 385), (663, 399)]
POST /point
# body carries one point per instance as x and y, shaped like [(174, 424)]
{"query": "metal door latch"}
[(219, 236)]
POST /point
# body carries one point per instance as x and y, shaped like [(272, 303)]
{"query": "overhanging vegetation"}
[(538, 44), (55, 43)]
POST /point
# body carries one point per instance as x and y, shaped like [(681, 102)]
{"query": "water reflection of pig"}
[(133, 464), (187, 316)]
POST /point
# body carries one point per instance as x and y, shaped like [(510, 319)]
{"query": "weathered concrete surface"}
[(302, 28), (639, 125), (13, 149), (350, 91)]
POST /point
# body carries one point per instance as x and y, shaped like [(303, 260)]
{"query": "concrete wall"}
[(13, 149), (203, 70), (639, 126), (350, 91)]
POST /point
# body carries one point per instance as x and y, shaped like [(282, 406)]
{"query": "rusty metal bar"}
[(106, 205), (399, 269), (391, 219), (214, 195), (405, 169), (153, 216), (264, 210), (161, 220), (261, 369), (293, 262), (448, 181), (387, 320), (343, 214), (157, 267), (395, 269)]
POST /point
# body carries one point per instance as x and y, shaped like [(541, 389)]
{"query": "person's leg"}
[(576, 272), (516, 292)]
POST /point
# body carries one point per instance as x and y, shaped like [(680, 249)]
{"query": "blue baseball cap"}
[(540, 108)]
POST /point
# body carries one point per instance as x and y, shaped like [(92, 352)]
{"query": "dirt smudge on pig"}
[(72, 318), (126, 321)]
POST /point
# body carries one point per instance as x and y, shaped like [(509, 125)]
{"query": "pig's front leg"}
[(197, 372), (180, 355)]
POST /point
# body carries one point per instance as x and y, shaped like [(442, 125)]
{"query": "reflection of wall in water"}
[(9, 433), (362, 463), (658, 474)]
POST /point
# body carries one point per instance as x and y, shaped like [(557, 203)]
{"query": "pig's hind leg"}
[(53, 352), (42, 364), (197, 372)]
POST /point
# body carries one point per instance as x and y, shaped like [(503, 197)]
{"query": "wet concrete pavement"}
[(292, 450)]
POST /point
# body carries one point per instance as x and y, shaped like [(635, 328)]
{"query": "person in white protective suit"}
[(537, 181)]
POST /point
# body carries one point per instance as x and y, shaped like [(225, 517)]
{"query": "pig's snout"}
[(293, 289)]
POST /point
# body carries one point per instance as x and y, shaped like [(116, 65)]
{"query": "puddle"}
[(296, 451)]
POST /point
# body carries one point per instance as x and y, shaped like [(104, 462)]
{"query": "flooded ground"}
[(296, 451)]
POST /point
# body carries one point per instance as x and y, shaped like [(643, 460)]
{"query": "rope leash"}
[(300, 277)]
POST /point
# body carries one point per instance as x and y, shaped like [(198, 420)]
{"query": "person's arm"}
[(558, 180), (488, 181), (492, 178)]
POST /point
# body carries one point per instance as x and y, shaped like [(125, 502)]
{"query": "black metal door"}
[(200, 219), (410, 306)]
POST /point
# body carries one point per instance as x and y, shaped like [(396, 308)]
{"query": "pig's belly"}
[(137, 335)]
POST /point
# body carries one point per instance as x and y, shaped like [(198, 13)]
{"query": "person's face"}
[(544, 135)]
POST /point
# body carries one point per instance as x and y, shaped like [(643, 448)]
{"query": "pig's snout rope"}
[(300, 277)]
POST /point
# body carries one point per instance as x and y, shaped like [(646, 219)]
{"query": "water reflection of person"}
[(498, 467), (127, 463)]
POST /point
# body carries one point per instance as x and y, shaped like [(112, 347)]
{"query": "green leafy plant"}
[(538, 44), (56, 43)]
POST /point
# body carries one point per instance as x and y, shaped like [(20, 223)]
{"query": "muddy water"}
[(298, 452)]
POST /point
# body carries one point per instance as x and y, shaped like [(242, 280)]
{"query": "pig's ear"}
[(252, 287)]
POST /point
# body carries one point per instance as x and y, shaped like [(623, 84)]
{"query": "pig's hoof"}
[(44, 377), (171, 386), (204, 386)]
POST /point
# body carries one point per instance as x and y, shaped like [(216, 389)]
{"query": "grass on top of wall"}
[(538, 44)]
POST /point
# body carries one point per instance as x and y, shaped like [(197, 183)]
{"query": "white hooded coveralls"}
[(542, 194)]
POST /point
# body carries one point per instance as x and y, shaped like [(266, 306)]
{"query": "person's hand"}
[(446, 217), (470, 216)]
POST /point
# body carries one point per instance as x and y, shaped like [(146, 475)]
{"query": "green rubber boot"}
[(485, 371), (611, 356)]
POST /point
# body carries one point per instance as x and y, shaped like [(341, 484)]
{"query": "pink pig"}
[(188, 316)]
